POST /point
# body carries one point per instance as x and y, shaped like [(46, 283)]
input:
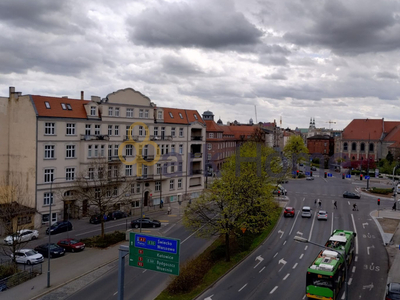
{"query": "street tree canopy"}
[(240, 198), (295, 150)]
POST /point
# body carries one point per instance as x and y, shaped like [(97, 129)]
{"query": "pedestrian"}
[(169, 210), (315, 202), (394, 206), (355, 207), (319, 203), (335, 205)]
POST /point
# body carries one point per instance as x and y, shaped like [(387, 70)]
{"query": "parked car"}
[(393, 291), (28, 256), (322, 215), (59, 227), (351, 195), (289, 212), (306, 212), (281, 189), (96, 219), (55, 250), (116, 215), (283, 181), (313, 168), (22, 235), (146, 223), (71, 245), (309, 178)]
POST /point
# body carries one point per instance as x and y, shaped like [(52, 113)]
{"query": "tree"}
[(102, 186), (296, 150), (389, 157), (236, 199), (15, 213)]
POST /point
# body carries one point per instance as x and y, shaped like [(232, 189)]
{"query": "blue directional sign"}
[(348, 176), (367, 177), (307, 173), (329, 174), (156, 243)]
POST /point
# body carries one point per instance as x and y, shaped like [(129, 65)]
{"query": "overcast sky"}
[(329, 60)]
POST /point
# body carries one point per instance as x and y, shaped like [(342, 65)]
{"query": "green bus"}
[(326, 274)]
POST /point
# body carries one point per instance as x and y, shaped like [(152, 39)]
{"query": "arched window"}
[(353, 147), (353, 158), (371, 147), (362, 147), (345, 147)]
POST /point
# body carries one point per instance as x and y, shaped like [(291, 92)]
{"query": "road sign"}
[(348, 176), (307, 173), (367, 177), (154, 253), (329, 175)]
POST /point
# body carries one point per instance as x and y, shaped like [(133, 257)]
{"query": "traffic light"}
[(379, 201), (325, 175), (311, 173), (297, 173), (343, 176), (360, 176)]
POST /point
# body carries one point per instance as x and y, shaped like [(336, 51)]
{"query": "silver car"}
[(23, 235), (306, 212), (309, 178), (322, 215), (28, 256)]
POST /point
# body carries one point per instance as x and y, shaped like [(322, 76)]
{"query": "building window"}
[(140, 113), (180, 115), (102, 150), (180, 132), (146, 113), (211, 134), (141, 131), (129, 112), (115, 150), (128, 170), (47, 104), (180, 149), (172, 167), (49, 128), (179, 183), (166, 149), (70, 173), (110, 111), (170, 114), (49, 151), (97, 129), (88, 129), (129, 150), (171, 184), (109, 129), (155, 131), (69, 106), (180, 166), (173, 131), (362, 147), (353, 147), (70, 129), (172, 148), (70, 151), (209, 146), (116, 130), (96, 150), (89, 151), (63, 106), (195, 116), (371, 147), (47, 199), (345, 146), (48, 175), (159, 114), (137, 188), (158, 186), (158, 171), (93, 110), (165, 169), (117, 111), (91, 173), (208, 156)]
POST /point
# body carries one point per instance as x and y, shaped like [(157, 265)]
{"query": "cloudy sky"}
[(332, 60)]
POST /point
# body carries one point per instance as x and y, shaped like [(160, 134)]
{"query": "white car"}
[(23, 235), (309, 178), (322, 215), (28, 256), (306, 212)]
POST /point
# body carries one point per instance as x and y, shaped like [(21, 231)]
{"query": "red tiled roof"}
[(239, 131), (212, 126), (181, 116), (363, 129), (78, 110), (191, 116)]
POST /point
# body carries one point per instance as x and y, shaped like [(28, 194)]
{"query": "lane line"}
[(290, 232), (287, 275), (275, 254), (301, 256), (284, 243), (332, 223), (350, 280), (354, 269), (242, 287), (261, 270), (295, 265), (273, 290), (312, 227)]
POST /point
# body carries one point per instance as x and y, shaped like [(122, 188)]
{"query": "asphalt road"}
[(277, 269)]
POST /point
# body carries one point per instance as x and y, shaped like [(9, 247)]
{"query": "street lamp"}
[(304, 240)]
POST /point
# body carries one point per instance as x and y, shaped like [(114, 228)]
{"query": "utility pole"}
[(369, 140)]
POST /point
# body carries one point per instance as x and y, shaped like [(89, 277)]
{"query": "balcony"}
[(146, 157), (196, 155), (134, 137), (196, 172), (196, 138), (115, 158), (145, 177), (85, 137)]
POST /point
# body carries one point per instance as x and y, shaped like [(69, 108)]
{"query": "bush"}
[(301, 175), (109, 239), (7, 270), (381, 191)]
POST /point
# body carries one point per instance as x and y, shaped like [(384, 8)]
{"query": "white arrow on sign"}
[(209, 298), (281, 232), (370, 286), (364, 224), (299, 233), (282, 261), (372, 247), (260, 260)]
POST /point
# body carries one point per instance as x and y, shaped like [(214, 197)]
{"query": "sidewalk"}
[(73, 271)]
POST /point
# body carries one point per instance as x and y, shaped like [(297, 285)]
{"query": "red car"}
[(71, 245), (289, 212)]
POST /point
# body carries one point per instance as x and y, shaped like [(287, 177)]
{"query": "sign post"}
[(154, 253)]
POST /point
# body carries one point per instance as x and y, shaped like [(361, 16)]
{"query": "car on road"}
[(313, 168), (59, 227), (28, 256), (322, 215), (279, 190), (347, 194), (306, 212), (116, 215), (71, 245), (55, 250), (146, 223), (96, 219), (23, 235), (289, 211), (393, 291), (309, 178)]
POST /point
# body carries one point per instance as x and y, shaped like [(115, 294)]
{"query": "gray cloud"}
[(387, 75)]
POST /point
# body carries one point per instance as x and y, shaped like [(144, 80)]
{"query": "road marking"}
[(354, 269), (301, 256), (356, 259), (312, 226), (209, 298), (304, 199), (287, 275), (282, 261), (348, 202), (290, 232), (242, 287), (305, 248), (369, 286), (115, 293), (281, 232), (295, 265), (276, 254), (260, 260), (284, 243), (273, 290), (261, 270), (373, 247), (350, 280), (332, 223), (169, 228), (366, 223), (355, 230)]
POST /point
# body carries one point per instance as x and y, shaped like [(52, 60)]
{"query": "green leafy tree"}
[(240, 198), (295, 150)]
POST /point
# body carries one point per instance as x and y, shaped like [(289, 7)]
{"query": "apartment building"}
[(50, 142)]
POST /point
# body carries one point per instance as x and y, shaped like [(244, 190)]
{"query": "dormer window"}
[(47, 104), (64, 107), (181, 115), (195, 116), (69, 106), (93, 110), (170, 114)]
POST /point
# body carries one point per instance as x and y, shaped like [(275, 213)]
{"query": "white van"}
[(306, 212)]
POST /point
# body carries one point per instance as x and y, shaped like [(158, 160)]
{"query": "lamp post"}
[(304, 240)]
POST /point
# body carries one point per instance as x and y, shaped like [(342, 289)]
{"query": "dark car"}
[(146, 223), (71, 245), (351, 195), (289, 211), (55, 250), (283, 181), (116, 215), (59, 227), (313, 169), (393, 291), (96, 219)]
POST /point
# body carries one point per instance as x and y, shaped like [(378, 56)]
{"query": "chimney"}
[(95, 98), (11, 91), (81, 95)]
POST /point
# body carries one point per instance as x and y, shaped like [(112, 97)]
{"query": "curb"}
[(380, 229)]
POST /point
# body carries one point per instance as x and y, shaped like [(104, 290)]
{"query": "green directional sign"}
[(154, 253)]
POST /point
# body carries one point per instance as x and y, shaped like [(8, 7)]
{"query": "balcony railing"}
[(196, 138), (115, 158), (85, 137), (134, 137), (145, 177), (196, 155), (195, 172), (147, 157)]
